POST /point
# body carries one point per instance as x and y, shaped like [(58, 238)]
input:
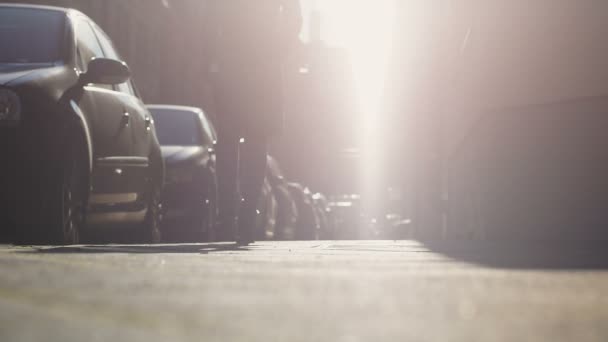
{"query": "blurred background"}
[(162, 42), (334, 82), (449, 118)]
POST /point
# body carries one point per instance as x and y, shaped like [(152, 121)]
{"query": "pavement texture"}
[(341, 291)]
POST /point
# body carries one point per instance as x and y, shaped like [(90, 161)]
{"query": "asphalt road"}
[(306, 291)]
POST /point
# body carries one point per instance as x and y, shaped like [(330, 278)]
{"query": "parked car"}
[(187, 139), (79, 149)]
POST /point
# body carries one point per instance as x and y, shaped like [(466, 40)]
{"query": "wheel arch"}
[(78, 121), (81, 121)]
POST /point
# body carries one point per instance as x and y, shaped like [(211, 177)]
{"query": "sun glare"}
[(365, 29)]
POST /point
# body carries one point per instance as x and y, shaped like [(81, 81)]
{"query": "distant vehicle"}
[(79, 149), (187, 139)]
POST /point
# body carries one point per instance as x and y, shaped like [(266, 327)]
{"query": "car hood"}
[(8, 73), (180, 154), (48, 80), (11, 72)]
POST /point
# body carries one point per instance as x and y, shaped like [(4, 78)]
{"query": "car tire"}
[(210, 220), (149, 231), (210, 206), (63, 203)]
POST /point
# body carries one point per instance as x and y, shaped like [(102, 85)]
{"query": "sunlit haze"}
[(303, 170), (365, 29)]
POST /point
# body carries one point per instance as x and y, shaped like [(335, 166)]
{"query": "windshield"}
[(30, 35), (176, 127)]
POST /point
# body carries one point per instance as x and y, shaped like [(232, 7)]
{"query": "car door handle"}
[(148, 123), (126, 118)]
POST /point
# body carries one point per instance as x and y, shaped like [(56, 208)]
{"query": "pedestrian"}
[(247, 45)]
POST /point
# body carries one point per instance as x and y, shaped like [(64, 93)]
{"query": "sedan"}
[(79, 149), (187, 140)]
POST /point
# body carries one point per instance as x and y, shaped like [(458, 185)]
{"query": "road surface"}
[(340, 291)]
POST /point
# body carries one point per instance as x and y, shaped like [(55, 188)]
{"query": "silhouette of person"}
[(247, 44)]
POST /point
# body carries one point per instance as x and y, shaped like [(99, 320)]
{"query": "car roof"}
[(40, 7), (175, 107), (65, 10)]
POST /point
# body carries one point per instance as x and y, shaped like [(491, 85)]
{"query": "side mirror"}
[(106, 71)]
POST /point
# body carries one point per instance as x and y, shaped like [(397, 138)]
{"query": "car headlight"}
[(10, 107)]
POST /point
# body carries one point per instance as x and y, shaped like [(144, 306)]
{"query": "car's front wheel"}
[(209, 219), (73, 204), (149, 231), (62, 205)]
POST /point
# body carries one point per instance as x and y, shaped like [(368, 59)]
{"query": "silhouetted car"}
[(187, 140), (79, 149)]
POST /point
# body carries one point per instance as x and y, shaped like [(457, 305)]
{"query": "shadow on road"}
[(144, 249), (523, 255), (551, 255)]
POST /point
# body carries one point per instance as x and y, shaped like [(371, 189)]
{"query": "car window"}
[(135, 90), (106, 44), (176, 127), (31, 35), (127, 88), (110, 52), (208, 131), (87, 44)]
